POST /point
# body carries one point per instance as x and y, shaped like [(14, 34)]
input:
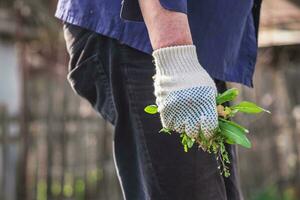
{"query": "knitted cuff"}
[(178, 68), (176, 60)]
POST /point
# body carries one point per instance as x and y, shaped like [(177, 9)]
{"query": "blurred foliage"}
[(71, 188), (273, 193), (35, 18)]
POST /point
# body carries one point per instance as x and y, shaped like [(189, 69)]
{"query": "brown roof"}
[(279, 24)]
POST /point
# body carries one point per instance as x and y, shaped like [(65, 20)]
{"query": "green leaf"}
[(228, 95), (234, 134), (185, 147), (151, 109), (226, 174), (190, 142), (233, 112), (234, 124), (187, 142), (248, 107), (228, 141), (165, 130)]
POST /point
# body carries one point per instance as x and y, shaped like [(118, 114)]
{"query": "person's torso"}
[(223, 32)]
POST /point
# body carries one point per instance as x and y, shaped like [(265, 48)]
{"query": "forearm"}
[(185, 93), (166, 28)]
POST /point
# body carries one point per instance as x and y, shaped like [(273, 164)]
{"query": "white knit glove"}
[(185, 93)]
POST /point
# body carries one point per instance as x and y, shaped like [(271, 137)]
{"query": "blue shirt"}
[(224, 31)]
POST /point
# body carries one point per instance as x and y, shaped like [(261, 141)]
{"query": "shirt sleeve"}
[(131, 10)]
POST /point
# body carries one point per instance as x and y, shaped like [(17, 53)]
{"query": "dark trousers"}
[(117, 80)]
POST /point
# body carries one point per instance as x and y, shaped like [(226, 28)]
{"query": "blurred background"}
[(54, 146)]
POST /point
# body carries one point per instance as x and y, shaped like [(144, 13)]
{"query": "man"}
[(111, 66)]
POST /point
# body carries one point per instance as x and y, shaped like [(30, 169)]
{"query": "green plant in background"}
[(228, 132), (42, 190), (272, 192), (80, 188), (56, 188)]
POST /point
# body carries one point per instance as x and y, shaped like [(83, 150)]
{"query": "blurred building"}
[(279, 24), (9, 71)]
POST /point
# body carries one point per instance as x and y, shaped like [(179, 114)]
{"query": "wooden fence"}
[(66, 152)]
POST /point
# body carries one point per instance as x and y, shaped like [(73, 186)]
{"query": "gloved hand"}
[(185, 93)]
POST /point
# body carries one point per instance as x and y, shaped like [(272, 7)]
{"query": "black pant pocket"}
[(88, 68), (88, 79), (83, 77)]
